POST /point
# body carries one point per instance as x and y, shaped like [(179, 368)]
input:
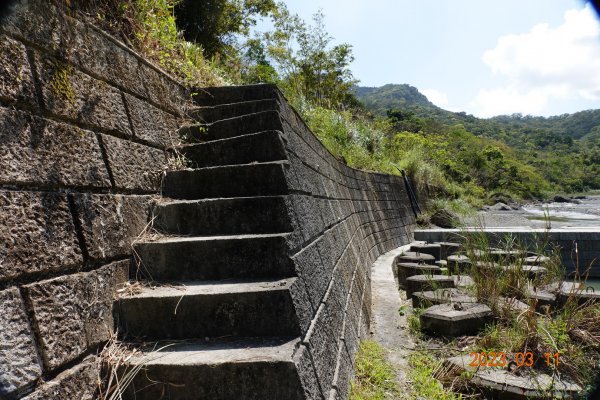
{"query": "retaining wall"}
[(343, 220), (84, 122)]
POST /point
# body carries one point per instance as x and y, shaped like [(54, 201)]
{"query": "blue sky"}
[(539, 57)]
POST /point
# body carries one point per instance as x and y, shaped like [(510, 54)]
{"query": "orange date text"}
[(499, 359)]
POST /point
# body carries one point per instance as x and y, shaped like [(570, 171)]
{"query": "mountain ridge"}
[(578, 125)]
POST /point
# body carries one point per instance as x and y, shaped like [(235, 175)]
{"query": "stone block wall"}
[(343, 219), (84, 124)]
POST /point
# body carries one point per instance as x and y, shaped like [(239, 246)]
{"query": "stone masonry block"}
[(36, 150), (134, 166), (39, 22), (74, 312), (78, 383), (322, 342), (302, 304), (306, 371), (152, 124), (309, 216), (36, 234), (310, 269), (332, 245), (110, 223), (16, 81), (101, 56), (162, 90), (344, 372), (72, 94), (19, 364)]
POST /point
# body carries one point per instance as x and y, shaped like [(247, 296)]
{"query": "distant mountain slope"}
[(381, 99), (514, 129)]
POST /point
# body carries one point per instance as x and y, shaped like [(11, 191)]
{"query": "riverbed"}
[(585, 213)]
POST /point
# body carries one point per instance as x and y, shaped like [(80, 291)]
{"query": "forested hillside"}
[(564, 149)]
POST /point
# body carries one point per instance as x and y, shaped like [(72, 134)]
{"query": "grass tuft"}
[(375, 376)]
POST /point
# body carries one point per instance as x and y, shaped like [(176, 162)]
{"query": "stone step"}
[(404, 270), (433, 249), (247, 180), (211, 96), (210, 114), (248, 369), (209, 309), (430, 298), (502, 383), (257, 147), (241, 215), (214, 257), (420, 283), (232, 127), (456, 319)]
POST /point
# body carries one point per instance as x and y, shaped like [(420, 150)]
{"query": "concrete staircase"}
[(220, 322)]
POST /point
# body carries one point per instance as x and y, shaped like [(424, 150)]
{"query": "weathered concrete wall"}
[(84, 123), (343, 220)]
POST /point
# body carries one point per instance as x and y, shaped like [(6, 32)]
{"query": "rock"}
[(500, 207), (501, 198), (445, 219), (562, 199)]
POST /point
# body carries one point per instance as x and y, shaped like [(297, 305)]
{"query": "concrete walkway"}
[(388, 327)]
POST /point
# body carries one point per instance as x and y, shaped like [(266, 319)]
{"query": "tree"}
[(307, 62), (213, 24)]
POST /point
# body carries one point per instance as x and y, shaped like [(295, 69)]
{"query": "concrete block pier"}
[(578, 246)]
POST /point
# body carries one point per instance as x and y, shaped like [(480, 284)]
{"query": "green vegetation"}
[(451, 156), (375, 377), (564, 149), (571, 328), (424, 368)]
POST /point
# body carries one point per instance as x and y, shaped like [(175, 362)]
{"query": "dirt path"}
[(388, 327)]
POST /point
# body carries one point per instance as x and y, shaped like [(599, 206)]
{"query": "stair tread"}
[(225, 120), (240, 350), (226, 140), (183, 239), (277, 162), (236, 103), (169, 201), (194, 288)]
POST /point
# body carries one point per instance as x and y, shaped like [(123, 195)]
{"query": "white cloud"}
[(543, 65), (438, 98)]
